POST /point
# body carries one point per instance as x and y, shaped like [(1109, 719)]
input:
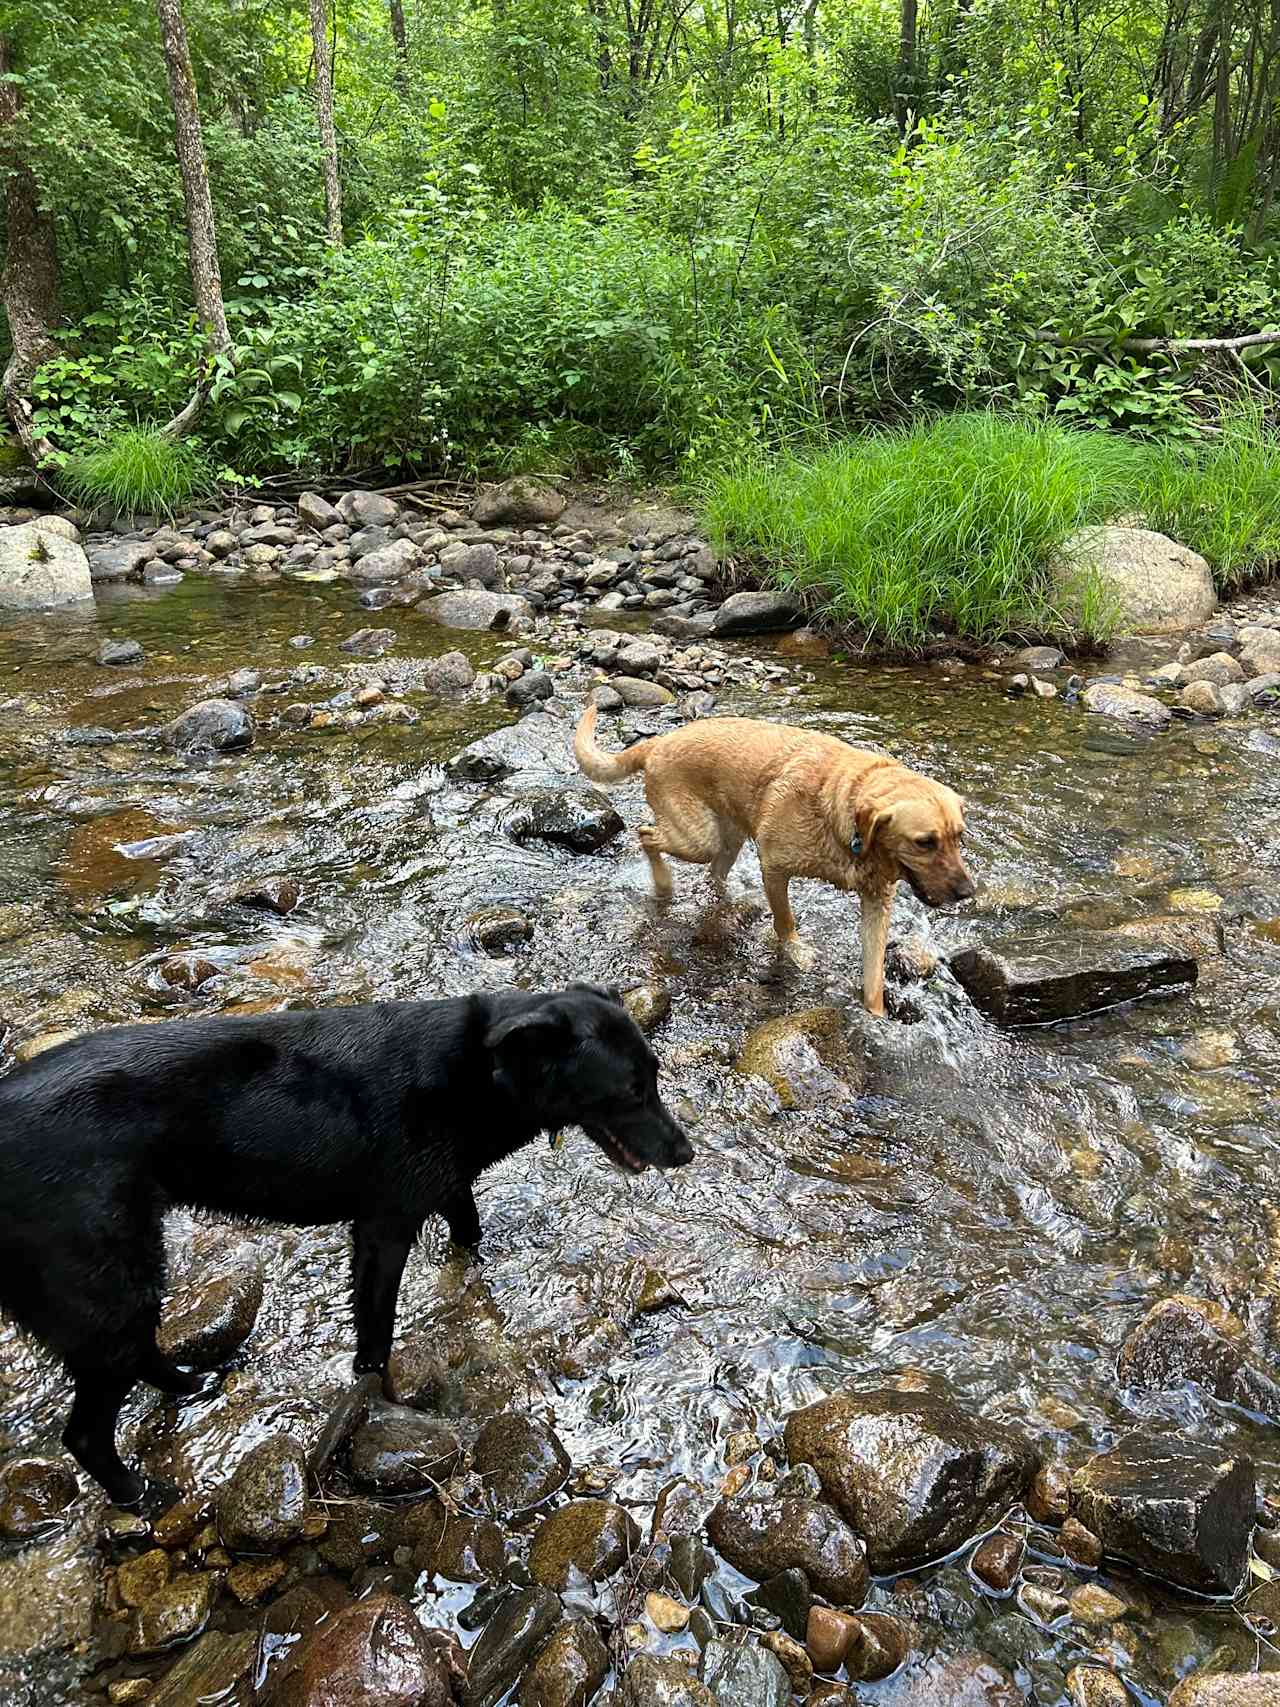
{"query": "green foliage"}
[(1221, 498), (948, 525), (138, 471)]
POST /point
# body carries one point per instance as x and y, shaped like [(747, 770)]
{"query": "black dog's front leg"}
[(463, 1218), (379, 1253)]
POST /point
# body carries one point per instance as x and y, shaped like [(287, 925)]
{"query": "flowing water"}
[(982, 1213)]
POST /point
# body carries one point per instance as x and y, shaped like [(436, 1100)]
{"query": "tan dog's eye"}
[(926, 841)]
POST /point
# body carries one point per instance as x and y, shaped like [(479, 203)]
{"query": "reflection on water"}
[(988, 1213)]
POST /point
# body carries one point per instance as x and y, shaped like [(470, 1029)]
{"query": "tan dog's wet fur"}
[(814, 807)]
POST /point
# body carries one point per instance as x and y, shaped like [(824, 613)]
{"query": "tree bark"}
[(29, 280), (324, 114), (907, 49), (1148, 346), (400, 37)]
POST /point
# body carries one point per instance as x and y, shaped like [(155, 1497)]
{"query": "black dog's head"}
[(577, 1058)]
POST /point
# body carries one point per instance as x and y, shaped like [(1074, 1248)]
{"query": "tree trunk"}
[(29, 280), (400, 38), (324, 112), (907, 48)]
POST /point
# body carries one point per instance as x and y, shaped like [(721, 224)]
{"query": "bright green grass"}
[(949, 524), (138, 471)]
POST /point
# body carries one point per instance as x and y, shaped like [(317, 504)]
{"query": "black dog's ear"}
[(536, 1029), (610, 992)]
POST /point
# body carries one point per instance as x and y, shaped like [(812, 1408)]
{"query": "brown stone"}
[(998, 1560)]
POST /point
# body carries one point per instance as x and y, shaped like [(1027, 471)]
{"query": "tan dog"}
[(813, 806)]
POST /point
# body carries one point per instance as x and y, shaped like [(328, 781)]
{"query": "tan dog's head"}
[(913, 829)]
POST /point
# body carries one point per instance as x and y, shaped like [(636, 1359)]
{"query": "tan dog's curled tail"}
[(595, 762)]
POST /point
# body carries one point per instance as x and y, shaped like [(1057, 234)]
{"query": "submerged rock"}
[(508, 1642), (795, 1054), (373, 1654), (1189, 1339), (650, 1682), (761, 1537), (207, 1321), (212, 726), (264, 1505), (1040, 980), (915, 1476), (870, 1645), (521, 1463), (208, 1671), (40, 567), (757, 613), (574, 816), (34, 1492), (743, 1674), (538, 740), (1127, 705), (1177, 1508), (569, 1670), (967, 1679), (595, 1537), (496, 929), (368, 642), (173, 1614)]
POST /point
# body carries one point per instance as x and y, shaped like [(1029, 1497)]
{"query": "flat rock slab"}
[(1180, 1509), (1040, 980)]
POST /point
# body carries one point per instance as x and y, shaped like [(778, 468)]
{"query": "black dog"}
[(378, 1115)]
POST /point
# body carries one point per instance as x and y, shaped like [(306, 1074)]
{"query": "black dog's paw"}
[(145, 1496), (470, 1254)]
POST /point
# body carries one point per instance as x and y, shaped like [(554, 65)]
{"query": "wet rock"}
[(529, 688), (119, 653), (367, 510), (143, 1576), (787, 1595), (1259, 650), (119, 560), (242, 683), (521, 501), (317, 513), (569, 1670), (1093, 1686), (743, 1674), (1227, 1689), (804, 643), (1043, 1604), (207, 1321), (595, 1537), (1177, 1508), (828, 1694), (209, 1671), (404, 1454), (508, 1642), (212, 726), (373, 1654), (1037, 658), (188, 971), (253, 1580), (533, 741), (264, 1505), (175, 1613), (757, 613), (650, 1682), (916, 1476), (1042, 979), (797, 1053), (34, 1492), (496, 929), (460, 1549), (636, 691), (40, 567), (473, 608), (958, 1680), (368, 642), (665, 1614), (1219, 669), (681, 1508), (870, 1645), (998, 1560), (1159, 586), (648, 1005), (521, 1463), (280, 895), (1185, 1339), (1081, 1544), (388, 563), (762, 1537), (362, 1532), (472, 563), (452, 672), (1127, 705), (1202, 699), (1096, 1608), (574, 816)]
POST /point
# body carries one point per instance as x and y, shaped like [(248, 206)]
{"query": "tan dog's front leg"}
[(876, 911)]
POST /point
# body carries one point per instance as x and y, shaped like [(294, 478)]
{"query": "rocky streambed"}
[(950, 1370)]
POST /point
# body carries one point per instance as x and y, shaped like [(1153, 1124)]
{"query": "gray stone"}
[(472, 563), (389, 563), (242, 683), (530, 688), (743, 1674), (761, 1537), (214, 725), (119, 653), (1127, 705), (121, 559), (636, 691), (452, 672), (535, 741), (639, 658), (316, 512), (1038, 658), (1203, 699), (1185, 1339), (508, 1642), (1220, 668), (1260, 650), (40, 568), (1157, 586), (367, 509), (574, 816), (521, 501), (474, 608), (652, 1682), (1039, 980), (1263, 690), (367, 540), (1178, 1508), (220, 543), (915, 1476), (757, 613), (368, 642)]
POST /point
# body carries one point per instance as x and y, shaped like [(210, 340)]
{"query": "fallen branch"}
[(1148, 346)]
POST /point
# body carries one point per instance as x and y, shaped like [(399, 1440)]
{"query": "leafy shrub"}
[(1221, 498), (138, 470)]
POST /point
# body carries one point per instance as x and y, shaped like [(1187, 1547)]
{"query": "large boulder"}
[(1158, 586), (1180, 1509), (1190, 1339), (757, 613), (914, 1476), (521, 500), (474, 608), (1038, 980), (41, 567), (119, 559), (372, 1654), (508, 1642), (211, 726), (368, 509)]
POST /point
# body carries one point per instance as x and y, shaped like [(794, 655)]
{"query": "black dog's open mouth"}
[(616, 1150)]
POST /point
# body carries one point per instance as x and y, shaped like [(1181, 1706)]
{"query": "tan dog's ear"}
[(870, 823)]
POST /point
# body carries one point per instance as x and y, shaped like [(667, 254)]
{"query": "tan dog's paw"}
[(798, 953)]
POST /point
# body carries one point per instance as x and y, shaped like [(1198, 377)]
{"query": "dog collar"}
[(855, 847)]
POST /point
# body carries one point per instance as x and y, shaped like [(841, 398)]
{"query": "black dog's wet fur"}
[(379, 1115)]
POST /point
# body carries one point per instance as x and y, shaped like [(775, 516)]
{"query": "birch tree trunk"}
[(29, 279), (400, 37), (324, 114)]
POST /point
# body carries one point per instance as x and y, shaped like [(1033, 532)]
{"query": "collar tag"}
[(855, 847)]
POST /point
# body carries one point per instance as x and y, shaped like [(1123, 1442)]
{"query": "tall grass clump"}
[(950, 523), (138, 471), (1221, 498)]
